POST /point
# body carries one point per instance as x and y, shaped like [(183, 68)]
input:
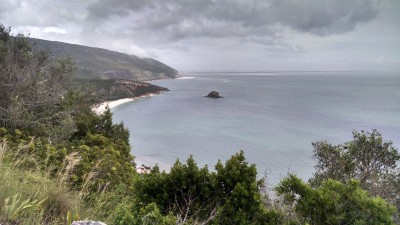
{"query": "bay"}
[(273, 117)]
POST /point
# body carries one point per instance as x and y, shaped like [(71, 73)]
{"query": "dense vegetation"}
[(60, 162)]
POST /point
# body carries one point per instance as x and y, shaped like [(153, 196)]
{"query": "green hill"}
[(97, 63)]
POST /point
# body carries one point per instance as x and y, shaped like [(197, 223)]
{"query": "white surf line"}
[(182, 78), (101, 108)]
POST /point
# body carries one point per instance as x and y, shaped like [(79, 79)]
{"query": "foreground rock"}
[(214, 94), (88, 222)]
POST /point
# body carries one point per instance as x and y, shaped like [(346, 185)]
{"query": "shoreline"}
[(101, 107)]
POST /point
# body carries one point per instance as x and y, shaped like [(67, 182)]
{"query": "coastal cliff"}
[(114, 89)]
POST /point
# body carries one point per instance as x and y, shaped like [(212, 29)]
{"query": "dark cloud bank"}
[(181, 19), (220, 34)]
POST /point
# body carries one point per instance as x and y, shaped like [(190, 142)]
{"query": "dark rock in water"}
[(214, 94)]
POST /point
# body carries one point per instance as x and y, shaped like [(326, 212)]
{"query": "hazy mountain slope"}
[(106, 64)]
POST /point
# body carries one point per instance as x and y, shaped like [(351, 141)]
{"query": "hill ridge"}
[(100, 63)]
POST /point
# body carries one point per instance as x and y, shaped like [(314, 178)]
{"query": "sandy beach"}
[(101, 108), (182, 78)]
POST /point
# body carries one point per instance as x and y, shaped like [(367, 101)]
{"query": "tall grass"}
[(29, 196)]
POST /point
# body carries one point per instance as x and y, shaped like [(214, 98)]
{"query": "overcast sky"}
[(235, 35)]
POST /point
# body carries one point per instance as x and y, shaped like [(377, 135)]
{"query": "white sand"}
[(101, 108), (181, 78)]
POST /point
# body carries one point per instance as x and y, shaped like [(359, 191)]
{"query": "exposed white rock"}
[(88, 222)]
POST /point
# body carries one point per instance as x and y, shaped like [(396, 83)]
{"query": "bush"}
[(228, 196), (334, 202), (367, 158)]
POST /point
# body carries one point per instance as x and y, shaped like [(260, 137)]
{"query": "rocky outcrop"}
[(214, 94), (143, 169), (114, 89)]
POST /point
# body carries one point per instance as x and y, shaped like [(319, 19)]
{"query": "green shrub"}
[(228, 196), (334, 202)]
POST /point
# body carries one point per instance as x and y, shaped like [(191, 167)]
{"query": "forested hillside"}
[(112, 75), (60, 162), (105, 64)]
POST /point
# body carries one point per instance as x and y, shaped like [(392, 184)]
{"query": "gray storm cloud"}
[(178, 19), (101, 10), (324, 17), (40, 13), (245, 34)]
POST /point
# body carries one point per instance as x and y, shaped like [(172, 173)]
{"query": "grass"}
[(29, 196)]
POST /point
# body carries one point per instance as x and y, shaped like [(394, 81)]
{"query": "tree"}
[(367, 158), (334, 202), (197, 196), (33, 87), (186, 191), (239, 191)]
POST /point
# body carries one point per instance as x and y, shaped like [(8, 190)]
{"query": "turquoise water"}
[(274, 118)]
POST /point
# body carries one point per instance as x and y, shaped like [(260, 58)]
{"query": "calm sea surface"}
[(274, 118)]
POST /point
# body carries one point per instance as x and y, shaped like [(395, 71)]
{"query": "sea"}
[(274, 117)]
